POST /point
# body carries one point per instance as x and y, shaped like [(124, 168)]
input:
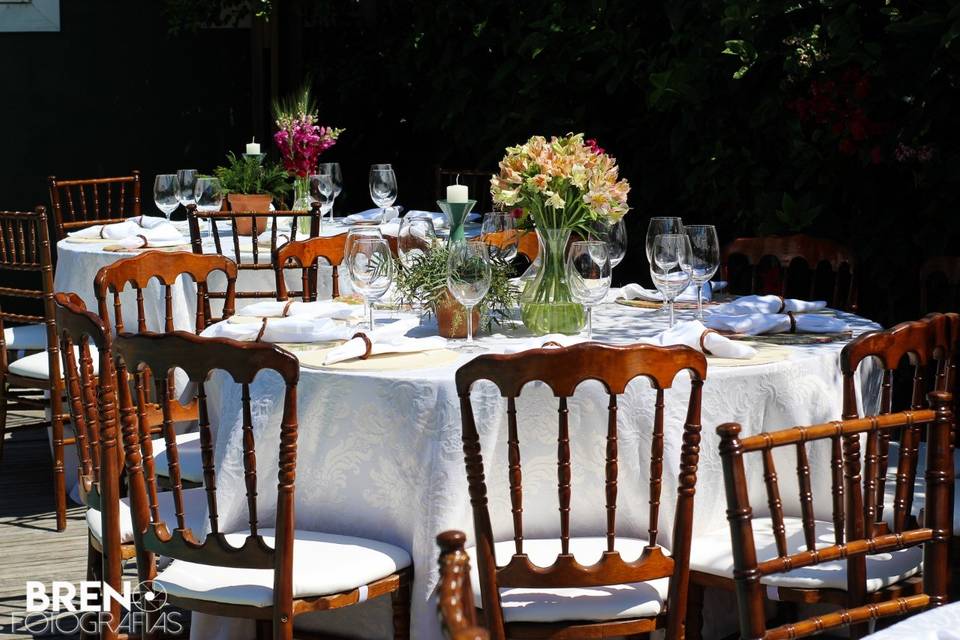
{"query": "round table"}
[(379, 453)]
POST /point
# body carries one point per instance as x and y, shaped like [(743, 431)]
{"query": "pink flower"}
[(592, 144)]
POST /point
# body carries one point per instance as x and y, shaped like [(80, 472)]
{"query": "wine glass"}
[(588, 274), (371, 270), (468, 279), (615, 235), (208, 194), (321, 190), (499, 232), (383, 187), (166, 193), (670, 266), (357, 233), (187, 179), (704, 257), (335, 181), (415, 237), (656, 227)]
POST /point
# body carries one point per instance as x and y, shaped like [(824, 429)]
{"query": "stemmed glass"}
[(468, 279), (499, 232), (371, 270), (588, 274), (166, 193), (187, 179), (615, 235), (383, 187), (670, 268), (704, 257), (208, 194), (415, 237), (321, 190), (656, 227), (333, 182)]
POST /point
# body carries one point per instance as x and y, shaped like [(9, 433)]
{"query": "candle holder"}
[(258, 156), (457, 213)]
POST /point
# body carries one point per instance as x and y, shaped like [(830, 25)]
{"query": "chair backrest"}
[(858, 539), (455, 608), (304, 254), (476, 180), (248, 253), (839, 287), (154, 356), (81, 203), (165, 267), (529, 245), (562, 370), (940, 276)]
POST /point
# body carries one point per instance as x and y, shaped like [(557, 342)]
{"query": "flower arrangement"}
[(299, 138)]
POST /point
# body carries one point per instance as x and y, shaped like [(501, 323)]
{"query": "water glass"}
[(704, 257), (415, 238), (499, 232), (588, 275), (468, 279), (615, 235), (335, 180), (371, 270), (166, 193), (321, 191), (656, 227), (208, 195), (187, 179), (670, 267), (383, 187)]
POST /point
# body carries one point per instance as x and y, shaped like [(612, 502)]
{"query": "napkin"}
[(317, 309), (373, 215), (768, 304), (550, 340), (140, 231), (291, 329), (389, 338), (636, 292), (757, 323), (693, 334), (266, 237)]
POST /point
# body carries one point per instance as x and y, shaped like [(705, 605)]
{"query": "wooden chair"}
[(82, 203), (458, 616), (248, 254), (940, 284), (650, 605), (838, 287), (305, 253), (476, 180), (25, 260), (219, 574), (529, 246), (867, 570)]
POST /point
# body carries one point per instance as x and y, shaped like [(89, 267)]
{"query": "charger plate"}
[(680, 306), (312, 355), (766, 353), (119, 248), (793, 338)]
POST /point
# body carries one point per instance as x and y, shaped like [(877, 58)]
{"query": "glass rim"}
[(666, 218), (699, 226)]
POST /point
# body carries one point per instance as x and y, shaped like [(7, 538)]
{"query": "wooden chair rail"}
[(81, 203)]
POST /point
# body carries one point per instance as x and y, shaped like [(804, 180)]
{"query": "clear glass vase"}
[(301, 203), (546, 305)]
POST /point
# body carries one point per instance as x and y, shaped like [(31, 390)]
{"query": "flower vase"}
[(546, 305), (301, 202)]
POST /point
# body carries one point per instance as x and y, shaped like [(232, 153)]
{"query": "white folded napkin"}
[(388, 338), (291, 329), (316, 309), (141, 231), (373, 215), (768, 304), (693, 334), (438, 218), (755, 324), (549, 340), (266, 237), (636, 292)]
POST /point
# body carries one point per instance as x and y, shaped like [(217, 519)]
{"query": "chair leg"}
[(264, 629), (3, 416), (693, 625), (400, 599), (59, 478), (94, 573)]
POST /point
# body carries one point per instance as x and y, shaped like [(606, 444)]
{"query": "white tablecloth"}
[(942, 623), (380, 455)]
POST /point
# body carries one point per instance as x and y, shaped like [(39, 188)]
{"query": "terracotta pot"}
[(452, 318), (252, 202)]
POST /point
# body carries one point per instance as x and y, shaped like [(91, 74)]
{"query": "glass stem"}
[(671, 313), (370, 312), (470, 325), (590, 322), (700, 301)]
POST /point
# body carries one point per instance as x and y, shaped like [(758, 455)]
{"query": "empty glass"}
[(333, 182), (371, 270), (415, 237), (615, 235), (187, 179), (704, 257), (166, 193), (656, 227), (383, 187), (208, 194), (588, 275), (499, 232), (468, 279), (670, 267), (321, 190)]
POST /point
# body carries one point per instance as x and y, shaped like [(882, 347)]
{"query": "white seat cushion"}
[(711, 553), (919, 485), (188, 452), (611, 602), (29, 337), (37, 365), (323, 564), (194, 511)]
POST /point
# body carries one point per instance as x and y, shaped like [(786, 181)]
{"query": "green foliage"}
[(246, 175)]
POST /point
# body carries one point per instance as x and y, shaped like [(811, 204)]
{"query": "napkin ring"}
[(286, 309), (783, 304), (263, 328), (703, 347), (144, 238), (551, 343), (102, 229), (366, 341), (793, 322)]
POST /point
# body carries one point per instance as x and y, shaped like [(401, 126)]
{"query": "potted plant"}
[(251, 186), (423, 282)]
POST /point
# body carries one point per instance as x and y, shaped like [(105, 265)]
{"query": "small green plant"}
[(424, 281), (245, 175)]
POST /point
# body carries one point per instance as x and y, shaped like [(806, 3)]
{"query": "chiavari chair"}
[(25, 259), (784, 277), (940, 276), (222, 573), (81, 203), (458, 616), (476, 180), (581, 587), (166, 268), (305, 255), (869, 572), (252, 254), (529, 245)]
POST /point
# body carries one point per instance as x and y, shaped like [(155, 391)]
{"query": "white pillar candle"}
[(253, 148), (457, 193)]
